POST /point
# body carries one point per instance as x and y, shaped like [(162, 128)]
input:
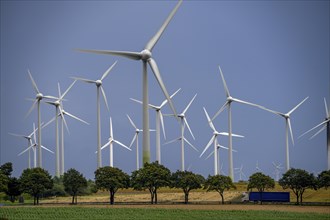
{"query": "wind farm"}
[(256, 65)]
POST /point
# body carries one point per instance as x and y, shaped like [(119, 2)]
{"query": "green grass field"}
[(43, 213)]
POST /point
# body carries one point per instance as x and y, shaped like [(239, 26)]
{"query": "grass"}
[(76, 212)]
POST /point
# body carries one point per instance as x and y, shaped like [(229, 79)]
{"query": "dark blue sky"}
[(273, 53)]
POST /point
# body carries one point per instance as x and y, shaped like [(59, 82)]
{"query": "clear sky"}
[(272, 53)]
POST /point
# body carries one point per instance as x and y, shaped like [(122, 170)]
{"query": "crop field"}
[(155, 212)]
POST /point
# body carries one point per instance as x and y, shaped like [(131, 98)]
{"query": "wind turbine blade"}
[(247, 103), (190, 144), (212, 152), (32, 107), (133, 140), (108, 71), (111, 131), (33, 83), (152, 42), (186, 122), (17, 135), (123, 145), (49, 122), (34, 134), (127, 54), (191, 101), (233, 135), (297, 106), (74, 117), (291, 134), (223, 147), (24, 151), (59, 90), (50, 97), (208, 145), (209, 120), (104, 146), (324, 127), (104, 97), (63, 119), (135, 100), (224, 83), (156, 72), (132, 123), (322, 123), (84, 80), (169, 142), (326, 109), (162, 123), (165, 101), (45, 148), (67, 90), (220, 110)]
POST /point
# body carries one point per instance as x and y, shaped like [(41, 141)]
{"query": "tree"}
[(219, 183), (298, 181), (35, 182), (323, 179), (111, 179), (13, 189), (74, 182), (7, 169), (186, 181), (261, 182), (3, 182), (151, 176)]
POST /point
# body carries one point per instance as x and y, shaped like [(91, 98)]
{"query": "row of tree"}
[(151, 177)]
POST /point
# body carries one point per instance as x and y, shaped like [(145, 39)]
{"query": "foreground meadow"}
[(145, 212)]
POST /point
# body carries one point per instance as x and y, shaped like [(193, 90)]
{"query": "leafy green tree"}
[(219, 183), (13, 189), (186, 181), (323, 179), (74, 182), (6, 169), (57, 189), (3, 182), (35, 182), (298, 181), (260, 182), (151, 176), (111, 179)]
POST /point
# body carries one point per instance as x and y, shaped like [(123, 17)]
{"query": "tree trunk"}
[(186, 198), (72, 200), (261, 197), (297, 195), (155, 196), (112, 197), (222, 199)]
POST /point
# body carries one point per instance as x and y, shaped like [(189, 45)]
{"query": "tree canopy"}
[(298, 181), (324, 179), (219, 183), (35, 181), (74, 182), (111, 179), (260, 182), (186, 180), (6, 169), (151, 176)]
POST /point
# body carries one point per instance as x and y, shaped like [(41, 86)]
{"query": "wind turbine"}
[(159, 120), (99, 87), (58, 111), (257, 167), (39, 97), (29, 140), (62, 114), (240, 172), (287, 128), (215, 142), (146, 56), (110, 144), (34, 146), (325, 125), (278, 168), (184, 123), (227, 104)]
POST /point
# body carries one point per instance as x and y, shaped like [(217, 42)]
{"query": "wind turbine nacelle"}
[(39, 96), (98, 83), (146, 54)]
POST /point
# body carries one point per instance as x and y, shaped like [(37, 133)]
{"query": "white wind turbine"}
[(99, 87), (34, 146), (159, 120), (184, 123), (39, 97), (146, 56), (63, 123), (287, 128), (325, 125), (227, 104), (58, 111), (257, 167), (240, 172), (110, 142), (214, 140), (136, 138), (278, 168)]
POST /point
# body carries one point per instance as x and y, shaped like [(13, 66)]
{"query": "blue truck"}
[(266, 197)]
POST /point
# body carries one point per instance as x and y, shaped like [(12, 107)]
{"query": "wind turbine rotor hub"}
[(98, 83), (215, 133), (39, 96), (146, 55), (229, 99), (57, 103), (137, 131)]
